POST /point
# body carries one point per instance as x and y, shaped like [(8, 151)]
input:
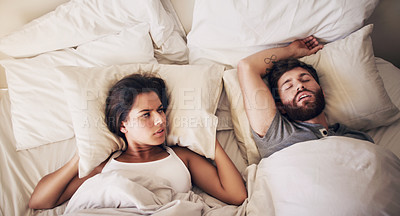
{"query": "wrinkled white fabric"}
[(117, 192), (80, 21), (331, 176)]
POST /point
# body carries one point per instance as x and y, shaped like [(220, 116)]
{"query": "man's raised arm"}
[(258, 101)]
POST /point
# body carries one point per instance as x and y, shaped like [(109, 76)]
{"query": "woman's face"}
[(146, 122)]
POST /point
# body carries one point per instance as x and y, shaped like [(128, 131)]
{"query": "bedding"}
[(39, 114), (130, 44), (354, 90), (50, 66), (389, 136), (331, 176), (140, 195), (26, 75), (85, 21), (227, 31), (21, 170), (190, 115), (240, 121), (116, 189)]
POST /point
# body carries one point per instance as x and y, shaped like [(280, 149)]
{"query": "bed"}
[(59, 58)]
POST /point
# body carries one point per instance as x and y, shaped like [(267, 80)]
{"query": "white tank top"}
[(170, 168)]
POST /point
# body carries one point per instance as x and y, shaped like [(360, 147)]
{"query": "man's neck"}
[(320, 119)]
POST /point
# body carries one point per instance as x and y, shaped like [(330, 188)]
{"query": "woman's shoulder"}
[(183, 153), (179, 149)]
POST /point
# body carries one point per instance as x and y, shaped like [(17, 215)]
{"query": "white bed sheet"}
[(20, 171), (389, 136)]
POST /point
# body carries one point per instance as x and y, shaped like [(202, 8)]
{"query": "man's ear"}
[(279, 106)]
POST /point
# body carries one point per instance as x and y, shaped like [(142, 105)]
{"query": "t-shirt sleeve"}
[(279, 130)]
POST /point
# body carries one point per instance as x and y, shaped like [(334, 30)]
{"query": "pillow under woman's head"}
[(193, 92)]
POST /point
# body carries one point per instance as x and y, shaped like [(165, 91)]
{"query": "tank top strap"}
[(113, 156), (171, 152)]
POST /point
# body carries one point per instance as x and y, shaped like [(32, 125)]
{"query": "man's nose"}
[(300, 86)]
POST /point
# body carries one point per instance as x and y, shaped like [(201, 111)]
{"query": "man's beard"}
[(309, 110)]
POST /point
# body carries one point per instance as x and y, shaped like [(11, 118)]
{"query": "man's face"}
[(302, 97)]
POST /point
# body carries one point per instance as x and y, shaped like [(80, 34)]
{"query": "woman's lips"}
[(159, 132)]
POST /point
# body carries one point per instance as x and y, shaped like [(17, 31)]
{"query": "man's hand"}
[(305, 47)]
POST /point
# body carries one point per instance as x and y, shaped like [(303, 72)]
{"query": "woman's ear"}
[(122, 128)]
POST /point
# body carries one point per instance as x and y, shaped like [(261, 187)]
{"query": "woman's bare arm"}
[(224, 181), (59, 186)]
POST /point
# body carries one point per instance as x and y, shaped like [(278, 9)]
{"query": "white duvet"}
[(114, 193), (331, 176)]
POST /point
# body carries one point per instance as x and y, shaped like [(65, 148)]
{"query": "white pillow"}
[(174, 50), (3, 81), (39, 112), (354, 91), (131, 45), (225, 31), (80, 21), (391, 77), (241, 125), (193, 93)]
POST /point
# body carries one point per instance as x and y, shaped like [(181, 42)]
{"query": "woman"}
[(135, 111)]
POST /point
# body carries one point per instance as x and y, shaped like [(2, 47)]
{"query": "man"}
[(291, 110)]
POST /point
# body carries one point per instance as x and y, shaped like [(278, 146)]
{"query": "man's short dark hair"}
[(282, 66)]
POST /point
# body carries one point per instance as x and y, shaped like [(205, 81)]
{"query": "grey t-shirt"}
[(283, 133)]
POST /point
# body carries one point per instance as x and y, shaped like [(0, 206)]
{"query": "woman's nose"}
[(158, 119)]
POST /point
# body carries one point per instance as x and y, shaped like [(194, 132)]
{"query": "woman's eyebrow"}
[(147, 110)]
